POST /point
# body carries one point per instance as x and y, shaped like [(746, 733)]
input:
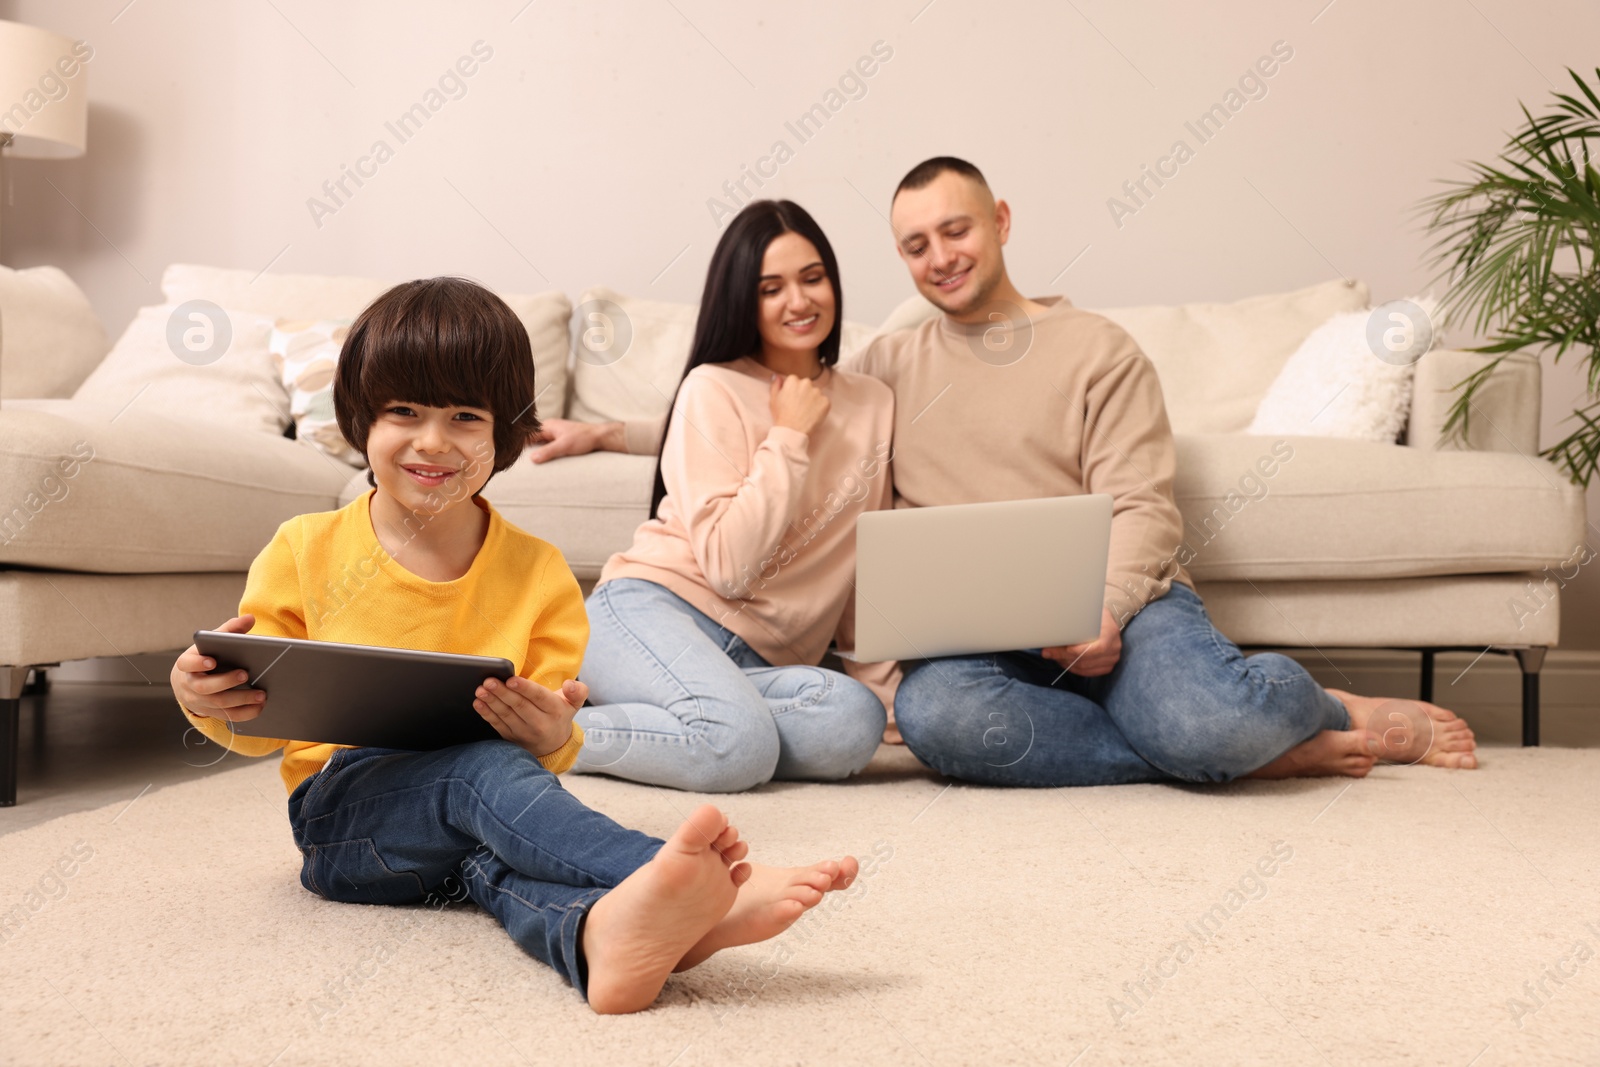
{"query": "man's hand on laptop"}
[(1091, 659), (529, 715), (566, 437), (213, 695)]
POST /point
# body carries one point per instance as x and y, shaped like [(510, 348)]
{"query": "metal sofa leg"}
[(1530, 660), (1425, 689), (12, 679)]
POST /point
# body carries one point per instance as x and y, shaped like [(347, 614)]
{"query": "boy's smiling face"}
[(426, 458)]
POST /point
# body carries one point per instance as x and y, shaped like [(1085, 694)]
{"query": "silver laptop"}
[(970, 578)]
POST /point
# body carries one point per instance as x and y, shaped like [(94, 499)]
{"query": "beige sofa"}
[(1352, 545)]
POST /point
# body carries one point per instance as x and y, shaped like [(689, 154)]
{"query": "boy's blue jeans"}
[(380, 826), (1183, 703)]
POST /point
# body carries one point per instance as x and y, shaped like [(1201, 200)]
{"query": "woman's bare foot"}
[(891, 735), (637, 933), (770, 902), (1410, 731), (1347, 752)]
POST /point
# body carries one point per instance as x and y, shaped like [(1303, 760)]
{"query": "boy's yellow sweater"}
[(325, 577)]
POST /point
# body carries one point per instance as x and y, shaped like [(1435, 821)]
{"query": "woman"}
[(705, 634)]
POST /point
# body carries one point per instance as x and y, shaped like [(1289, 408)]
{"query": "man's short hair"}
[(925, 172)]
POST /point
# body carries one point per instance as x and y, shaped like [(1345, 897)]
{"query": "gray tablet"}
[(358, 694)]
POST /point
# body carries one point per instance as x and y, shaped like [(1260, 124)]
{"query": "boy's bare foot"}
[(637, 933), (1410, 731), (770, 902), (1331, 752)]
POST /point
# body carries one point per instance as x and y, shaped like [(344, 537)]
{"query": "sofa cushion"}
[(309, 297), (50, 338), (1215, 361), (631, 354), (1320, 508), (139, 492), (587, 506), (206, 365)]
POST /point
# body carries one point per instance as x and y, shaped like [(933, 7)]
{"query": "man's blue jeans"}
[(1183, 703), (379, 826)]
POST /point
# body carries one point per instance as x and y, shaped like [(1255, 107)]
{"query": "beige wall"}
[(586, 148)]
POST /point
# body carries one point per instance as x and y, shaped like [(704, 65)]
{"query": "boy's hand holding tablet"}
[(529, 715), (214, 695)]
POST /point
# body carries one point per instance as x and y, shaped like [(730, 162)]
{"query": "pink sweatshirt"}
[(758, 527)]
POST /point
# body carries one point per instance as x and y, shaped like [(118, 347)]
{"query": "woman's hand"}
[(213, 695), (565, 437), (529, 715), (797, 403)]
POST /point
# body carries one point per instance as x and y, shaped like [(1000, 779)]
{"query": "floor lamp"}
[(44, 103)]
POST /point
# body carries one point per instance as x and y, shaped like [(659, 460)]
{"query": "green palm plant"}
[(1516, 243)]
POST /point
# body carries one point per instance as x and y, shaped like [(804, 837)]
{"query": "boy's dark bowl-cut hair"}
[(442, 342), (923, 174)]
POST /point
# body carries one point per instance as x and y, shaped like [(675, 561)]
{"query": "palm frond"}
[(1516, 241)]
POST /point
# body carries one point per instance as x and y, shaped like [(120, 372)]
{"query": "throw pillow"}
[(306, 355), (194, 360), (1352, 377)]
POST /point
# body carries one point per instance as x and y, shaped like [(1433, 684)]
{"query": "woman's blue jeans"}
[(678, 700), (485, 821), (1183, 703)]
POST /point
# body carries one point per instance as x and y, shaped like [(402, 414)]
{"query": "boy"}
[(435, 387)]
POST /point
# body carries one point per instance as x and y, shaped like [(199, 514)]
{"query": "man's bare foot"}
[(770, 902), (1410, 731), (891, 735), (637, 933), (1331, 752)]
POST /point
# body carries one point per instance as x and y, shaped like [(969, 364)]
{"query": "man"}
[(1004, 397), (1042, 399)]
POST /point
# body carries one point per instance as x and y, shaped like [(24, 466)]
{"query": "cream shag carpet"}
[(1418, 916)]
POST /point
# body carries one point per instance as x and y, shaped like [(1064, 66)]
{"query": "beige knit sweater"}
[(1063, 405)]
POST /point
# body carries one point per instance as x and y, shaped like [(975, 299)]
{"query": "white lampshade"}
[(44, 92)]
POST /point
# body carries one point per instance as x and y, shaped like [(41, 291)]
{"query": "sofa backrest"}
[(50, 338)]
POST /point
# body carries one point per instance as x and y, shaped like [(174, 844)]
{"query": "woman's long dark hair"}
[(729, 323)]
